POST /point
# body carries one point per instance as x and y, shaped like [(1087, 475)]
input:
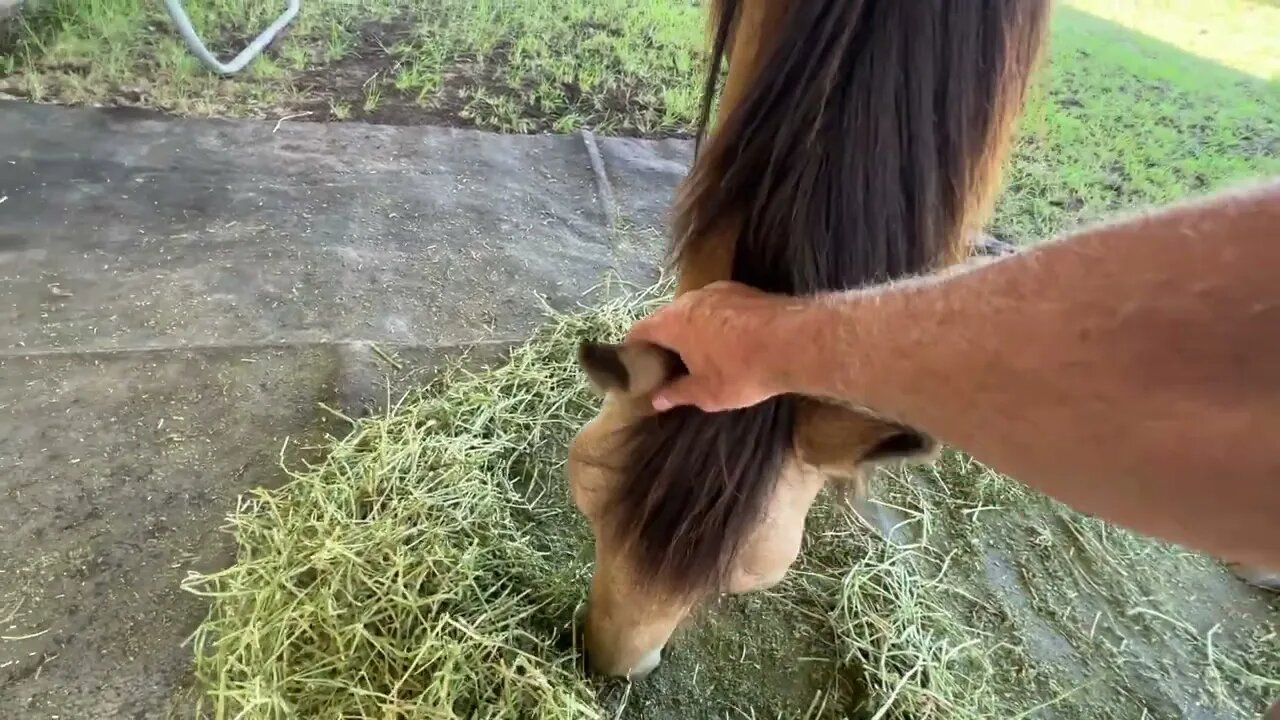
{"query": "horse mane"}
[(865, 145)]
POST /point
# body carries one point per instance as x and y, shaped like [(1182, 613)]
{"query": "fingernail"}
[(661, 404)]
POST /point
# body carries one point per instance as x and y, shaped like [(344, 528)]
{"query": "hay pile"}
[(431, 565), (410, 573)]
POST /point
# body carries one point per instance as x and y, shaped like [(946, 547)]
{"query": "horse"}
[(856, 142)]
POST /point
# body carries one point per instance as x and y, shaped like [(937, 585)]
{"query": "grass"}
[(1064, 610), (1232, 33), (431, 566), (1121, 120), (408, 574), (516, 65)]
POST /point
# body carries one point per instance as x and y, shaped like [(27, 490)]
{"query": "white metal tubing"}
[(179, 16)]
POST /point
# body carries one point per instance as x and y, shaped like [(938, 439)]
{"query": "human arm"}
[(1131, 370)]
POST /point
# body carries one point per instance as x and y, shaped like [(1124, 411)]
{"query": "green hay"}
[(430, 566), (403, 576)]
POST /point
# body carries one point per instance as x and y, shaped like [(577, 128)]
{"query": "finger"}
[(654, 329), (641, 331), (687, 390)]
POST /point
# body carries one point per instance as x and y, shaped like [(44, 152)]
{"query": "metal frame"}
[(197, 46)]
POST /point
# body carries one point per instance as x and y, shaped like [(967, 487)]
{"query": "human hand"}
[(738, 344)]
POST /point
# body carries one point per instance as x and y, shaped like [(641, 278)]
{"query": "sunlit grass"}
[(1238, 34), (1120, 121)]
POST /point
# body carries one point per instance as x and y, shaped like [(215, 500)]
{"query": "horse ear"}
[(902, 444), (839, 439), (633, 369)]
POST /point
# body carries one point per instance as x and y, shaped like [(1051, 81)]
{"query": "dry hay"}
[(431, 566)]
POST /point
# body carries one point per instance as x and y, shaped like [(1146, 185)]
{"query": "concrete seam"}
[(603, 187)]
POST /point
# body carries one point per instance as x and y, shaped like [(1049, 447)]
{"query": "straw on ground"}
[(431, 566)]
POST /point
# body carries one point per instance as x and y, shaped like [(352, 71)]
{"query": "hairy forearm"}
[(1131, 370)]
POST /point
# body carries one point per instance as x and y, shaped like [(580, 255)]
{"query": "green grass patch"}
[(611, 64), (1120, 121), (514, 65), (1237, 34)]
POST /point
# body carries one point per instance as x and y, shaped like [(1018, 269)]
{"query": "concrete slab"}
[(176, 298)]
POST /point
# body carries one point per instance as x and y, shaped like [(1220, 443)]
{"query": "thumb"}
[(683, 391)]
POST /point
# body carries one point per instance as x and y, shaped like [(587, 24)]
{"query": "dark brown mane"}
[(860, 152)]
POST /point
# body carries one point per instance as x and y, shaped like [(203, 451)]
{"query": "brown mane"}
[(862, 152)]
